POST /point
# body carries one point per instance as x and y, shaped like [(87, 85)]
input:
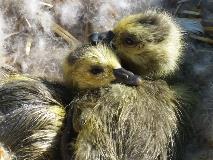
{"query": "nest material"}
[(35, 35)]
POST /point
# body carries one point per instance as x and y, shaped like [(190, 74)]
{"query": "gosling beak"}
[(126, 77), (103, 37)]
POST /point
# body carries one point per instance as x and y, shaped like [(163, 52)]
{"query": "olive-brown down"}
[(90, 67), (32, 116), (33, 110), (121, 122), (148, 44)]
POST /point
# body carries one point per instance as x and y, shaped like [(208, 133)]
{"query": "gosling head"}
[(148, 43), (95, 66)]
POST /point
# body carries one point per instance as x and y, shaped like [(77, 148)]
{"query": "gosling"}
[(144, 122), (121, 122), (149, 44), (33, 110)]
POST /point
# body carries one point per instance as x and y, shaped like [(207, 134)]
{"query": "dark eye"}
[(152, 20), (148, 21), (96, 70), (129, 41)]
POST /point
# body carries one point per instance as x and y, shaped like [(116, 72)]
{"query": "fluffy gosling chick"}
[(93, 67), (121, 122), (148, 43), (32, 117), (128, 123), (33, 110)]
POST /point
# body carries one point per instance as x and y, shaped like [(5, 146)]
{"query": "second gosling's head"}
[(150, 42), (95, 66)]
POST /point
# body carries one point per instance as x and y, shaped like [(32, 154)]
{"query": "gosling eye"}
[(129, 41), (148, 21), (95, 70)]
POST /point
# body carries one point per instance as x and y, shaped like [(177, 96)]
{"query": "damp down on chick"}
[(33, 110), (149, 43), (32, 117), (93, 67), (122, 122)]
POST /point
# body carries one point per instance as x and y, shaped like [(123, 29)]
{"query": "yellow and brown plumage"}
[(142, 122), (101, 67), (33, 110), (33, 114), (148, 43), (122, 122)]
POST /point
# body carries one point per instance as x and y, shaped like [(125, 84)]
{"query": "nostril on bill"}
[(103, 37), (94, 38), (126, 77)]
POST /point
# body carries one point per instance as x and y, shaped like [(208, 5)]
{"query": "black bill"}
[(126, 77), (103, 37)]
